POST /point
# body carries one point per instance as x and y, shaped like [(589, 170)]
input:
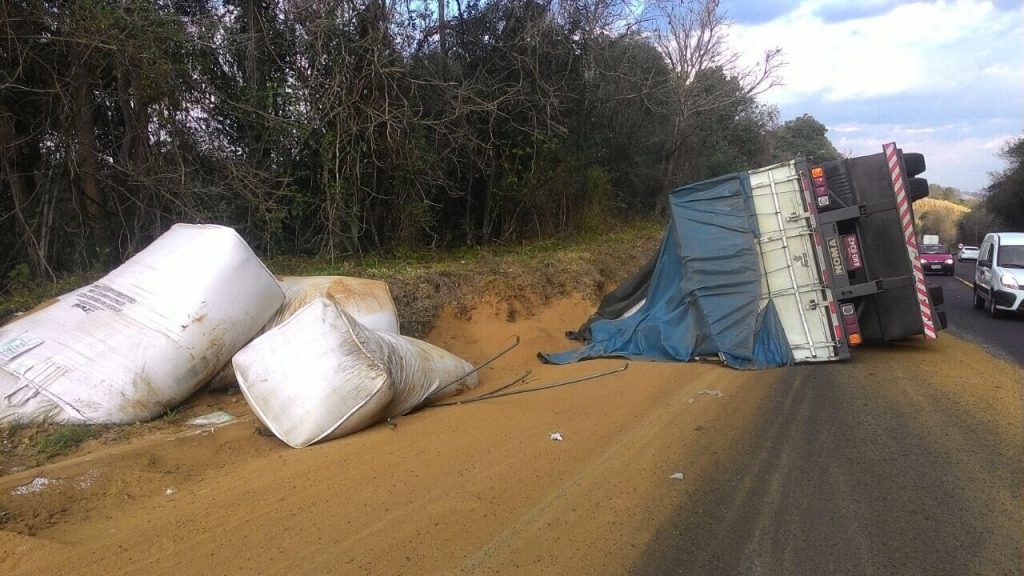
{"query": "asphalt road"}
[(908, 459), (1003, 337)]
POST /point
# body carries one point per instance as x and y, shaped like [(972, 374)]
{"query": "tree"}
[(691, 36), (949, 194), (802, 137), (973, 225), (1004, 197), (334, 128)]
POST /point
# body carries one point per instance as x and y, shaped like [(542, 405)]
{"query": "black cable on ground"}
[(535, 389)]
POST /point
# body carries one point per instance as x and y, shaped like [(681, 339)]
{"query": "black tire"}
[(914, 163), (917, 188), (979, 302), (992, 310)]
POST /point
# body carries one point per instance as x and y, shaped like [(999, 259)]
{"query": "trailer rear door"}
[(791, 261)]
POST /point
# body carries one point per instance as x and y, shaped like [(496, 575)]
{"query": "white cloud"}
[(954, 159), (913, 48), (998, 143), (1005, 71), (944, 78)]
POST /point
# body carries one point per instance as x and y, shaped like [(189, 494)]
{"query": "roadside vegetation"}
[(1001, 208), (352, 129)]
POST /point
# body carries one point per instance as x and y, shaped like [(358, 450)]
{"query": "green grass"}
[(61, 439), (389, 267), (25, 296)]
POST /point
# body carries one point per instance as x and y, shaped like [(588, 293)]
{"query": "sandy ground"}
[(476, 488)]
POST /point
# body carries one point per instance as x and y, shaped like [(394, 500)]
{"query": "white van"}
[(999, 275)]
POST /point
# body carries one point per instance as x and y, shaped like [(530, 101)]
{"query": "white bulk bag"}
[(321, 374), (368, 301), (141, 339)]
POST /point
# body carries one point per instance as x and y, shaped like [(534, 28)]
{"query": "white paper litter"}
[(212, 419), (35, 485), (556, 436)]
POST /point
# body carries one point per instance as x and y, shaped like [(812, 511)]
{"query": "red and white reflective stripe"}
[(903, 205)]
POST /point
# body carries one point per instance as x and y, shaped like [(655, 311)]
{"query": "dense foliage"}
[(1002, 207), (333, 128), (803, 137)]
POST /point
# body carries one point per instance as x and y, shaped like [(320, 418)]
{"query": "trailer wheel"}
[(917, 188), (914, 162)]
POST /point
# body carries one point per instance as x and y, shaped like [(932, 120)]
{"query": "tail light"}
[(849, 313), (820, 186)]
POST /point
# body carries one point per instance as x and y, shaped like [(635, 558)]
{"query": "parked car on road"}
[(999, 276), (936, 258), (968, 253)]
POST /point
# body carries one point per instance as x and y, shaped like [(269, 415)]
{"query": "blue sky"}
[(944, 78)]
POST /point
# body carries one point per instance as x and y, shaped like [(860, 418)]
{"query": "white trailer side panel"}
[(791, 275)]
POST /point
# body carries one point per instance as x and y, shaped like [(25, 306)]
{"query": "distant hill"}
[(933, 216)]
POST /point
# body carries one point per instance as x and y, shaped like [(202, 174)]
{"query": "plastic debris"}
[(212, 419), (170, 492), (37, 484), (677, 476), (86, 480), (556, 436), (716, 393)]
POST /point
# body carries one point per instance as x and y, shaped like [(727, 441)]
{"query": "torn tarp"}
[(702, 298)]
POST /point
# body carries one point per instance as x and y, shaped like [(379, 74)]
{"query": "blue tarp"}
[(704, 295)]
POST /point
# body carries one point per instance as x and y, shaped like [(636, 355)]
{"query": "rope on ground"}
[(495, 394)]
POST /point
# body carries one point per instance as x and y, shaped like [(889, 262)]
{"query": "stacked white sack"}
[(321, 374), (141, 339), (368, 301)]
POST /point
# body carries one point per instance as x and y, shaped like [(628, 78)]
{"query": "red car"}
[(936, 258)]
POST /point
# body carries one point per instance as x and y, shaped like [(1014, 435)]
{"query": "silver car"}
[(999, 275)]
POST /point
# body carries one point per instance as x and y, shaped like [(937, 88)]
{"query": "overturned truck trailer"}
[(795, 262)]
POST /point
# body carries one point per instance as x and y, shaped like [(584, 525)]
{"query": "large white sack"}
[(141, 339), (368, 301), (321, 374)]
